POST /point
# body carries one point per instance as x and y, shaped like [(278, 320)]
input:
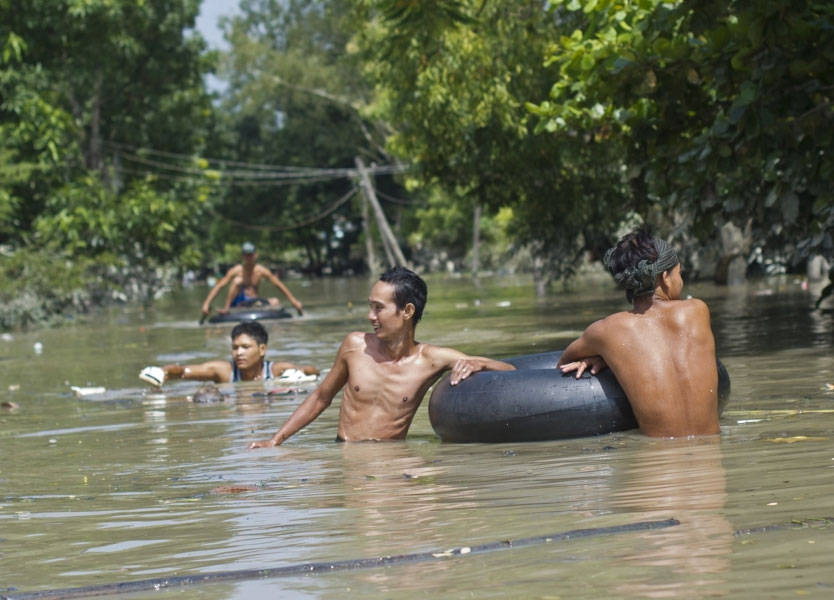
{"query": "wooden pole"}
[(373, 265), (476, 238), (392, 248)]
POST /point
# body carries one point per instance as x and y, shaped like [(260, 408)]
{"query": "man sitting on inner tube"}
[(243, 280), (385, 374), (662, 351)]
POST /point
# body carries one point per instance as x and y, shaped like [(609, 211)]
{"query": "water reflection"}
[(766, 316), (684, 479), (392, 498)]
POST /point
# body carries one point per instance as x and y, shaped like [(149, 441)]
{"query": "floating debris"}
[(234, 489), (87, 391), (795, 439), (208, 394)]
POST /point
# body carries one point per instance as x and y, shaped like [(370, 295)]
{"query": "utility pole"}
[(476, 238), (389, 242), (373, 265)]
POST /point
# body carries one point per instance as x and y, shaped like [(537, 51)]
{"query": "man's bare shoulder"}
[(687, 310), (355, 340), (612, 321), (695, 305), (435, 352)]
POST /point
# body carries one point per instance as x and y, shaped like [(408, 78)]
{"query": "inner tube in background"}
[(535, 402), (251, 314)]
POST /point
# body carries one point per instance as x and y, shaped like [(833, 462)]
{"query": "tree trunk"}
[(373, 265), (735, 245), (476, 239)]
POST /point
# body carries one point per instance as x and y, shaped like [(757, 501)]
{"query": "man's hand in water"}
[(298, 306), (594, 364), (270, 443)]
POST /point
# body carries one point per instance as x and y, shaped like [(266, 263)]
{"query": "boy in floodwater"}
[(662, 351), (248, 363), (385, 374)]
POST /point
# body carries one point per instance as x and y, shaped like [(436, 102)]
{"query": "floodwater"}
[(130, 485)]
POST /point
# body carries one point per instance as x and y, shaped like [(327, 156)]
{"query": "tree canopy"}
[(558, 121), (722, 110)]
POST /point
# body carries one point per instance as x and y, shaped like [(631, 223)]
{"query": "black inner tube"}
[(251, 314)]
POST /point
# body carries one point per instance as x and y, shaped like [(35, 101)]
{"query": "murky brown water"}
[(130, 485)]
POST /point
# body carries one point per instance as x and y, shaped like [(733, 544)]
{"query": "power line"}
[(405, 202), (135, 154), (304, 223), (219, 182)]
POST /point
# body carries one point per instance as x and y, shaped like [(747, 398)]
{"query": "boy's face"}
[(247, 352), (385, 317)]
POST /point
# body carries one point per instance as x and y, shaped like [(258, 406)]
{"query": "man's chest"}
[(388, 382)]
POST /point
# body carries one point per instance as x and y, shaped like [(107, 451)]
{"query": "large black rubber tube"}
[(251, 314), (535, 402)]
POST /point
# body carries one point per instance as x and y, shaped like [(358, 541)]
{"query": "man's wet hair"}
[(408, 287), (637, 259), (253, 329), (631, 249)]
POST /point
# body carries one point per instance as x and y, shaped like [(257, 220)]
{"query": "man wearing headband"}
[(662, 351)]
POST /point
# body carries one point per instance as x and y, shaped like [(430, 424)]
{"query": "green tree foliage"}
[(125, 69), (139, 226), (294, 99), (454, 89), (36, 135), (721, 110), (81, 80)]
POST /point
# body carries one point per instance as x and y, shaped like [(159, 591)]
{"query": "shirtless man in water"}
[(243, 280), (385, 373), (662, 351), (248, 362)]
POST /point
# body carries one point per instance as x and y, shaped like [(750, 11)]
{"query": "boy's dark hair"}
[(253, 329), (637, 260), (408, 287)]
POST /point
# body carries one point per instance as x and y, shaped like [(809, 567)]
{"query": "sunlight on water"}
[(129, 483)]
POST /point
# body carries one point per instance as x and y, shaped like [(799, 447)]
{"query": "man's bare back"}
[(672, 380), (663, 355)]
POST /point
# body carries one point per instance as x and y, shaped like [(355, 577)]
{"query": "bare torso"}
[(250, 277), (664, 358), (382, 395)]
